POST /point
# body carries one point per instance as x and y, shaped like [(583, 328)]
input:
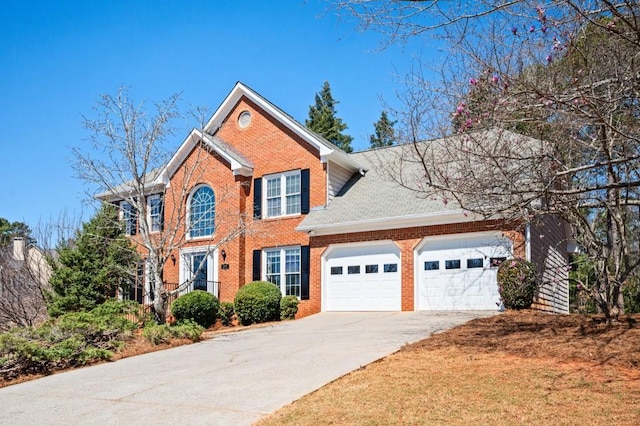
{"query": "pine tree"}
[(93, 266), (9, 230), (322, 120), (385, 134)]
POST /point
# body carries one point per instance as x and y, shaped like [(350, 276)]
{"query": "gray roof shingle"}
[(376, 196), (394, 188)]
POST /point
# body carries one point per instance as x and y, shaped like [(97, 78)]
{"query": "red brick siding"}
[(407, 239), (210, 169), (271, 148)]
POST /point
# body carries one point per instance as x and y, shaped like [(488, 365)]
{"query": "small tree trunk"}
[(160, 296), (160, 308)]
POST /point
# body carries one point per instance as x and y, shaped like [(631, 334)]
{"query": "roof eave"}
[(115, 195), (381, 224)]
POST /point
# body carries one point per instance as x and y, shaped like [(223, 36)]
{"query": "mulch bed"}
[(532, 334)]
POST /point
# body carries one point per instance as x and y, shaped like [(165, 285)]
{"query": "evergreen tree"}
[(385, 134), (92, 267), (322, 120), (9, 230)]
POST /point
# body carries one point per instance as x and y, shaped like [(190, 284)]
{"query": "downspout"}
[(527, 242)]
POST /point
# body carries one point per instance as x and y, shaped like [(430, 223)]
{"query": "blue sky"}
[(57, 57)]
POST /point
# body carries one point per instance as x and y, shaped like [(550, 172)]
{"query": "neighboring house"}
[(24, 276), (329, 227)]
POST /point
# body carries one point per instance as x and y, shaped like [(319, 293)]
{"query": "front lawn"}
[(516, 368)]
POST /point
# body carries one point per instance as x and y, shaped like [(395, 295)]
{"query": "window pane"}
[(292, 184), (293, 204), (202, 212), (431, 265), (292, 260), (496, 261), (390, 267), (273, 207), (275, 279), (475, 263), (273, 187), (353, 269), (288, 278), (371, 269), (336, 270), (452, 264), (155, 211), (273, 262), (293, 285), (129, 217)]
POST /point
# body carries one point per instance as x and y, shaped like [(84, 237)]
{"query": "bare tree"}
[(24, 278), (544, 100), (129, 162)]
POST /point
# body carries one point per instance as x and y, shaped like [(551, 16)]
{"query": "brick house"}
[(327, 226)]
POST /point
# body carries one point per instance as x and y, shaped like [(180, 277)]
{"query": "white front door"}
[(201, 267), (362, 277)]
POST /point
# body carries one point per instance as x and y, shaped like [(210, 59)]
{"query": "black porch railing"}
[(146, 298)]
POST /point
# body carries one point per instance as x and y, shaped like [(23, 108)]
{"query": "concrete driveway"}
[(234, 378)]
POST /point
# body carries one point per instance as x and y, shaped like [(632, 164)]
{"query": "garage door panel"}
[(370, 289), (472, 285)]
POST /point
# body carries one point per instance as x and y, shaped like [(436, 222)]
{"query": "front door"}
[(200, 268)]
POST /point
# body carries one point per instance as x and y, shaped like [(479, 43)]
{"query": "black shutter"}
[(305, 254), (161, 212), (257, 198), (257, 263), (304, 187)]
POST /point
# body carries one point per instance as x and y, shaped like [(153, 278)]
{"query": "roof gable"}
[(239, 164), (327, 150)]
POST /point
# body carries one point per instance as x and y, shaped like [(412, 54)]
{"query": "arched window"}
[(202, 212)]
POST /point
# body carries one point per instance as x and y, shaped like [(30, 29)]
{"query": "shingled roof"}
[(376, 201), (393, 193)]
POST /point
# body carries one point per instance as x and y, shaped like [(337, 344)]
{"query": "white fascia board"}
[(189, 143), (237, 167), (240, 90), (150, 188), (410, 221), (180, 155), (345, 160)]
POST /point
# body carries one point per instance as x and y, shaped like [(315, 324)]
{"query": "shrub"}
[(257, 302), (70, 340), (187, 329), (226, 313), (517, 283), (288, 307), (198, 306)]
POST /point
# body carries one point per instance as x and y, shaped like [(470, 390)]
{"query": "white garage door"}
[(362, 278), (460, 273)]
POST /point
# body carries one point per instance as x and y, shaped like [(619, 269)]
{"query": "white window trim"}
[(149, 217), (283, 280), (212, 268), (188, 236), (283, 194)]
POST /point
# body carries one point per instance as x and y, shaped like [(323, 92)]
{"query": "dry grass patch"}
[(518, 368)]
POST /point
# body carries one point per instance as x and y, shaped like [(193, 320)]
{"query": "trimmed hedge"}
[(288, 307), (226, 313), (256, 302), (198, 306), (517, 283)]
